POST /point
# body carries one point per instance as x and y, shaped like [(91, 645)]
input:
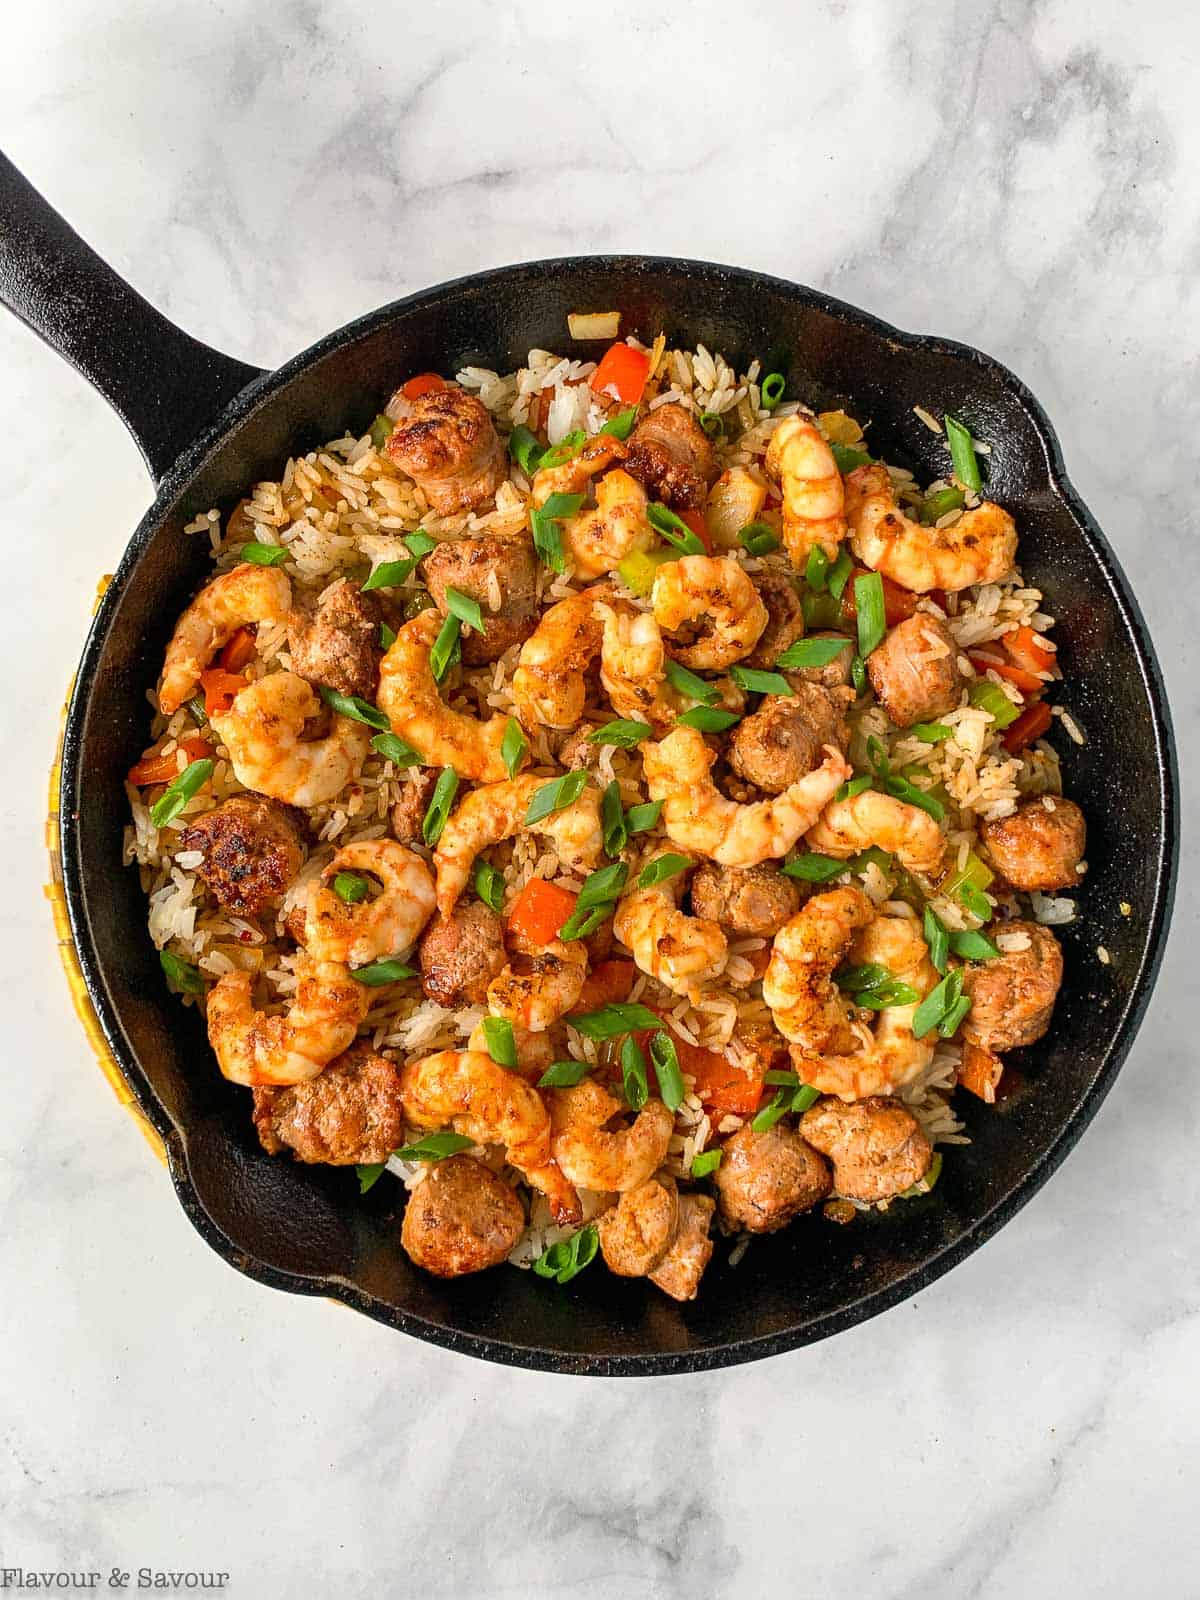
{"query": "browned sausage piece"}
[(1041, 845), (252, 848), (672, 457), (877, 1147), (462, 1219), (783, 740), (337, 644), (639, 1230), (752, 901), (408, 813), (765, 1179), (349, 1113), (914, 672), (834, 674), (680, 1270), (502, 575), (461, 954), (785, 618), (450, 448), (1013, 995)]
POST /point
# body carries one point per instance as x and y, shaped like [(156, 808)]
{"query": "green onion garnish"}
[(771, 390), (812, 653), (566, 1259), (420, 543), (369, 1175), (804, 1097), (348, 886), (556, 795), (674, 530), (812, 868), (635, 1074), (582, 923), (439, 806), (853, 980), (173, 799), (853, 786), (925, 1184), (707, 1161), (610, 1021), (387, 636), (524, 449), (666, 1069), (640, 819), (181, 973), (501, 1041), (621, 426), (545, 525), (563, 1074), (196, 707), (434, 1147), (396, 750), (465, 609), (846, 457), (612, 820), (858, 674), (359, 710), (931, 732), (264, 555), (839, 572), (602, 886), (990, 697), (937, 938), (711, 422), (381, 972), (758, 539), (901, 789), (962, 453), (489, 885), (872, 623), (778, 1106), (624, 733), (513, 746), (687, 683), (390, 574), (567, 447), (936, 505), (708, 719), (446, 649), (760, 682), (950, 1023), (817, 568), (661, 868), (937, 1003), (380, 430), (973, 946)]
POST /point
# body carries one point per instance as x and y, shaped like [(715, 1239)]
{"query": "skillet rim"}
[(655, 1363)]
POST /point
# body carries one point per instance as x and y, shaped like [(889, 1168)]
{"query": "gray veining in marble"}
[(1019, 174)]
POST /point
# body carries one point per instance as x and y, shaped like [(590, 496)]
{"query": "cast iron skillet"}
[(208, 425)]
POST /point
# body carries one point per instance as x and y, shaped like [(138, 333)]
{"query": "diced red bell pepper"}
[(898, 604), (1030, 725), (540, 910), (1027, 682), (1029, 650), (624, 370), (221, 689), (606, 983), (980, 1072), (239, 652), (164, 768), (423, 383), (695, 521), (724, 1087)]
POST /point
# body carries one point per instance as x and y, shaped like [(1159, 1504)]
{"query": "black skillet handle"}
[(165, 386)]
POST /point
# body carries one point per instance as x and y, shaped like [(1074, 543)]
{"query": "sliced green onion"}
[(501, 1041), (712, 424), (937, 937), (990, 697), (846, 457), (544, 523), (902, 789), (936, 505), (878, 756), (621, 426), (524, 449), (821, 611), (489, 885), (674, 529), (390, 574), (447, 648), (556, 795), (771, 390), (635, 1074), (758, 539), (640, 819), (602, 886), (974, 946), (381, 972), (177, 794), (624, 733), (812, 653), (439, 806), (687, 683), (872, 855), (380, 430), (925, 1184), (566, 1259), (875, 987), (853, 786), (348, 886), (396, 750), (931, 732), (872, 623), (708, 719), (610, 1021), (181, 973), (779, 1105), (940, 1000), (387, 636), (804, 1097), (612, 820), (858, 674), (465, 609), (962, 453), (661, 868), (853, 980), (949, 1024), (369, 1175), (434, 1147), (513, 746), (839, 573), (816, 569), (812, 868), (967, 886), (707, 1161), (564, 1074), (419, 600), (420, 543), (196, 707), (353, 706), (781, 1079), (264, 555), (582, 923), (565, 450), (760, 682), (666, 1069)]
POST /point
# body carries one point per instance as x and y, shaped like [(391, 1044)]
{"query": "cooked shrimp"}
[(798, 983), (548, 685), (599, 539), (487, 1103), (713, 590), (594, 1157), (408, 694), (682, 952), (698, 817), (541, 983), (247, 594), (633, 666), (847, 826), (894, 1056), (979, 548), (813, 494), (496, 811), (320, 1022), (370, 929), (263, 732), (575, 476)]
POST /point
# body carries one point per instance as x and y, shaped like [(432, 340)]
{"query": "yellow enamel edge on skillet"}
[(70, 961)]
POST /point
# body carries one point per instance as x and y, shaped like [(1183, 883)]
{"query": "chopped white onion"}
[(594, 324)]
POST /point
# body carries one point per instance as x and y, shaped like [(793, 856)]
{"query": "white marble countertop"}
[(1018, 174)]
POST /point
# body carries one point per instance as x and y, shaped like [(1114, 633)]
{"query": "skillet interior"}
[(306, 1229)]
